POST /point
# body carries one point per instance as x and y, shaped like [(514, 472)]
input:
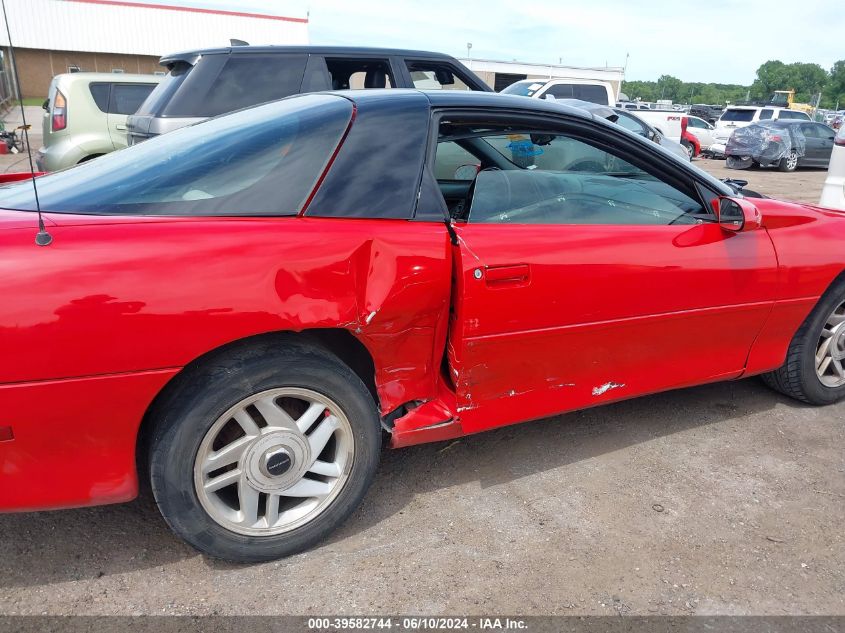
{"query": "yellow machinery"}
[(786, 99)]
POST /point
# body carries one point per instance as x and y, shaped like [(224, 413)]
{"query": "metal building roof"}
[(140, 28)]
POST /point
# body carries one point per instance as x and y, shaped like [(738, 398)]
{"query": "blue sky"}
[(715, 40)]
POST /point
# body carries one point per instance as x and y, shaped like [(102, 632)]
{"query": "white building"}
[(57, 36), (499, 75)]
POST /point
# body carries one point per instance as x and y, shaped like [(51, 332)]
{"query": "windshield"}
[(739, 115), (523, 88), (259, 161)]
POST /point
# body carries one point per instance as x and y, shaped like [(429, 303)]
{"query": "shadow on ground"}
[(50, 547)]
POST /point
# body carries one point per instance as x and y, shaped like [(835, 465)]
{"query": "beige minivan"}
[(85, 115)]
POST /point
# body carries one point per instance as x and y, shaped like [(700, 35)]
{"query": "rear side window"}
[(740, 116), (561, 91), (586, 92), (244, 80), (791, 114), (100, 93), (766, 114), (357, 74), (126, 98), (432, 76), (164, 91), (260, 161)]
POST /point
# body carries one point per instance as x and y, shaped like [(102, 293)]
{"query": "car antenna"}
[(42, 238)]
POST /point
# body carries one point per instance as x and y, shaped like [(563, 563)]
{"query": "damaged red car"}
[(240, 311)]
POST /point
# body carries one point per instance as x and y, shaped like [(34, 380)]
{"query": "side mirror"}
[(46, 105), (466, 172), (738, 215)]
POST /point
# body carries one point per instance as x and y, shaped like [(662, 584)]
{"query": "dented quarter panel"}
[(119, 298)]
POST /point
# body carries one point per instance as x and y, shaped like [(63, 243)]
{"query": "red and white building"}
[(58, 36)]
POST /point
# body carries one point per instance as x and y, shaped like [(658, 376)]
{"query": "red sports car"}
[(238, 311)]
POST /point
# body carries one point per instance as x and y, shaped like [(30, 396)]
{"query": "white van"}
[(592, 90)]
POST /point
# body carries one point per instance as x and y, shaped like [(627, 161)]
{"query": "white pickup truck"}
[(667, 122)]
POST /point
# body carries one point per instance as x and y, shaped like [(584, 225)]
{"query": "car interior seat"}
[(375, 79)]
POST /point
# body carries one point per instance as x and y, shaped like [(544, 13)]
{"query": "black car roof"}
[(311, 50)]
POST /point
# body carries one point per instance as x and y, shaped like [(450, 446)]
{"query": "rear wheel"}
[(264, 453), (738, 162), (814, 371), (690, 149), (85, 159), (789, 162)]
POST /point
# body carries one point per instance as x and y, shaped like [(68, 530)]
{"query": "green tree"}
[(835, 90), (669, 87), (807, 80), (771, 76)]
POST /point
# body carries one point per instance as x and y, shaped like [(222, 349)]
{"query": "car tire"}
[(789, 162), (85, 159), (737, 162), (248, 406), (799, 377), (690, 148)]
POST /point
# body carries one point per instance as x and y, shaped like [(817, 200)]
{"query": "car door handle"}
[(507, 274), (120, 127)]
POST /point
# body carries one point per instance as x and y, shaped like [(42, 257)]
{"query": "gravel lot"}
[(724, 499)]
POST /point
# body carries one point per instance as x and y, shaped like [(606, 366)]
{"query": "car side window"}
[(100, 94), (453, 162), (433, 76), (824, 132), (225, 83), (809, 130), (560, 91), (590, 92), (542, 178), (258, 161), (766, 114), (790, 114), (630, 123), (127, 98), (357, 74)]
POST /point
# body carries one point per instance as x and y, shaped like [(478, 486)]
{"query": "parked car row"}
[(783, 143), (90, 114)]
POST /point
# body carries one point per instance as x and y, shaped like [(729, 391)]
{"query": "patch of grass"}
[(31, 101)]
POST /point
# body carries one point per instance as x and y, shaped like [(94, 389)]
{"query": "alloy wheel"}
[(274, 461), (830, 351)]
